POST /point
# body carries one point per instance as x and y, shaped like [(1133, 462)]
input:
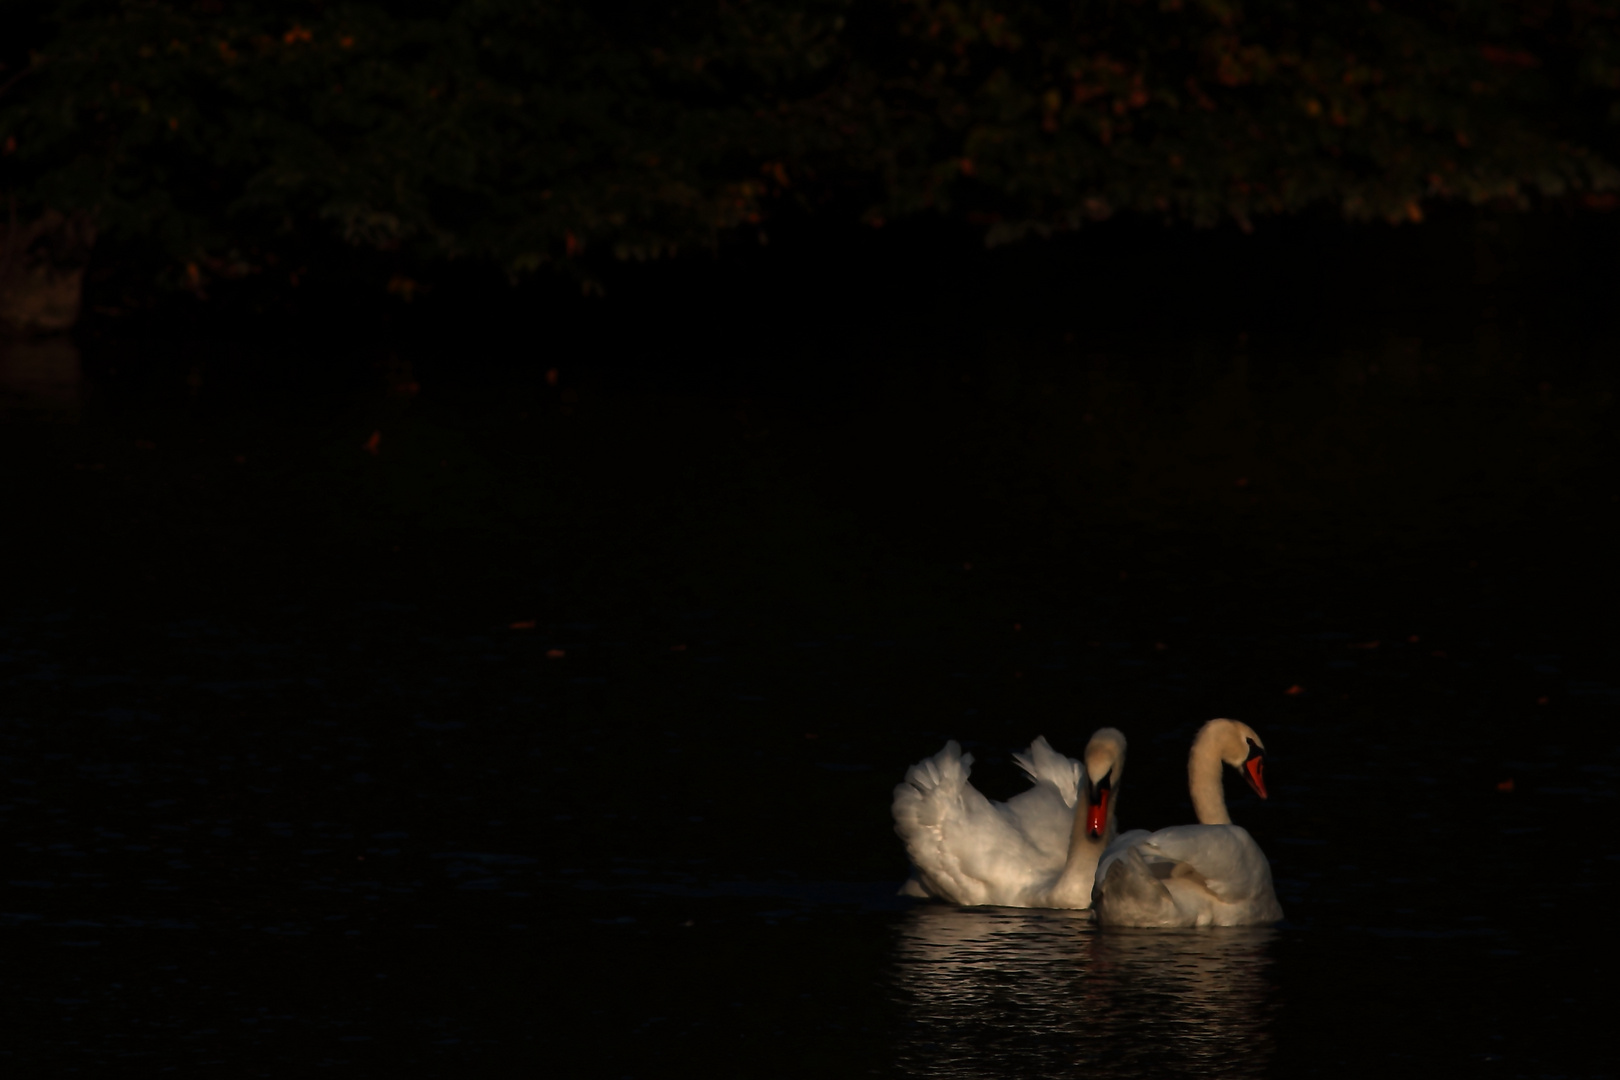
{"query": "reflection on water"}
[(1047, 994)]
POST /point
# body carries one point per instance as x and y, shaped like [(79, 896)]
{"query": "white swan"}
[(1210, 874), (1038, 849)]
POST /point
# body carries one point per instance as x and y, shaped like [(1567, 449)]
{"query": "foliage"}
[(1208, 110), (526, 133)]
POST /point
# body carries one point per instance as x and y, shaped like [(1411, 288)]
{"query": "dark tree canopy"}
[(526, 132)]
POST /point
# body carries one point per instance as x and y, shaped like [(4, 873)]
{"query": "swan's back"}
[(1188, 875)]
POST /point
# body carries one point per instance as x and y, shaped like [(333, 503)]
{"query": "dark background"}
[(295, 758), (513, 671)]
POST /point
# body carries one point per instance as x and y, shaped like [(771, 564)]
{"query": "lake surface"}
[(314, 764)]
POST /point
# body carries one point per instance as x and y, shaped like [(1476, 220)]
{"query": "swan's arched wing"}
[(1045, 821), (1045, 765), (965, 848), (1045, 813)]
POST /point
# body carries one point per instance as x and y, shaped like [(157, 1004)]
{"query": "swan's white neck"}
[(1073, 886), (1204, 780)]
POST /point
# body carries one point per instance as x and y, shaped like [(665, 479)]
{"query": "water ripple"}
[(985, 987)]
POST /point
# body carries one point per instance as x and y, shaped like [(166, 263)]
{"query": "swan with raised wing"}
[(1038, 849), (1209, 874)]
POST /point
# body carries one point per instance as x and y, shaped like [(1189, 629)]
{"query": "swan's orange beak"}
[(1097, 815), (1252, 773)]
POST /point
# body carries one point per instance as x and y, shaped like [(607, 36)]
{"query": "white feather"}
[(969, 850)]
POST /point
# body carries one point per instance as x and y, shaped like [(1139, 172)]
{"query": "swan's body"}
[(1038, 849), (1209, 874)]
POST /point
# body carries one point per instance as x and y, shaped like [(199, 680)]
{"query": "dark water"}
[(430, 760)]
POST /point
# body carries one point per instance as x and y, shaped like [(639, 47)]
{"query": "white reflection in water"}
[(992, 991)]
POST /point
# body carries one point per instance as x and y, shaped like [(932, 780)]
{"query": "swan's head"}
[(1105, 760), (1238, 746)]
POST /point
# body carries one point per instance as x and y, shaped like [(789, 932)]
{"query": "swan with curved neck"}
[(1223, 742), (1038, 849), (1209, 874)]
